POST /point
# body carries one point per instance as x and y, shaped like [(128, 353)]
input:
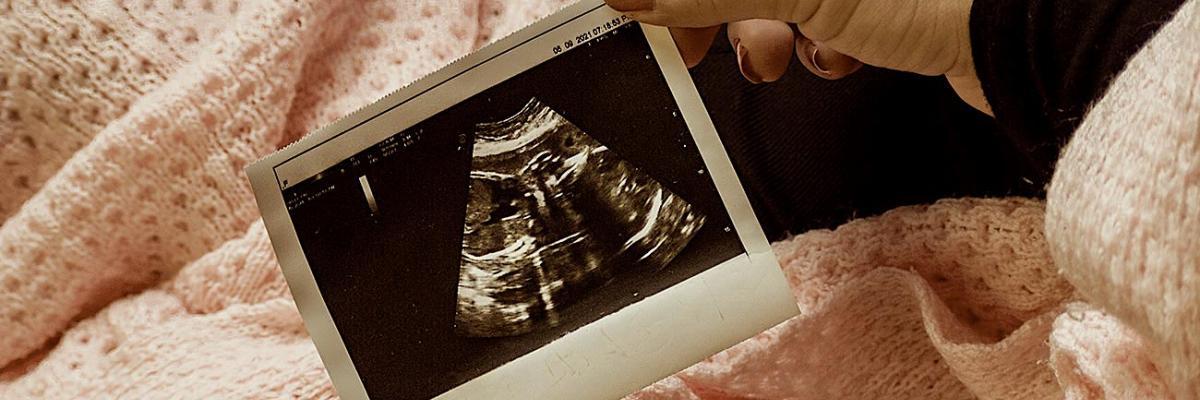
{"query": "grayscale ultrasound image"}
[(524, 213), (552, 214)]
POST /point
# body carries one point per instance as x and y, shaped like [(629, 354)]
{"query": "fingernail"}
[(811, 51), (744, 64)]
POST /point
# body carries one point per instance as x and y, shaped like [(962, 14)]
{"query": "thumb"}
[(704, 13)]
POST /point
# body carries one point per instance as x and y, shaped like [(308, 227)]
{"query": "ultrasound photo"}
[(552, 214), (515, 218)]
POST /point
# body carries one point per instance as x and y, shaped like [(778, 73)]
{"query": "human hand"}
[(832, 38)]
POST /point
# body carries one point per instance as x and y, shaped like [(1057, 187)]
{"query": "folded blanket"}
[(133, 263)]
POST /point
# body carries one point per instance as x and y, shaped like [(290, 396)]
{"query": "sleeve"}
[(1042, 63)]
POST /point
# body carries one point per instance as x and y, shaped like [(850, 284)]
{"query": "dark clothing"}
[(1044, 62), (813, 153)]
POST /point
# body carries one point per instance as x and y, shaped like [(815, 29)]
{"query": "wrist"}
[(970, 90), (962, 75)]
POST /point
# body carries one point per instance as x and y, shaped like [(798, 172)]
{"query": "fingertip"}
[(693, 43), (649, 17), (763, 47), (676, 12), (825, 62), (630, 5)]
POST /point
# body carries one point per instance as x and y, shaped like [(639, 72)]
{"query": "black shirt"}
[(1043, 63), (813, 153)]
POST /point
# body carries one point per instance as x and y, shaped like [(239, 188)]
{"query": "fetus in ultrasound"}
[(552, 215)]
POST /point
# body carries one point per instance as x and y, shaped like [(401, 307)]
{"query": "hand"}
[(832, 38)]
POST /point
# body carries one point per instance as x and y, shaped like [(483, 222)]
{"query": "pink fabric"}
[(956, 300), (133, 263)]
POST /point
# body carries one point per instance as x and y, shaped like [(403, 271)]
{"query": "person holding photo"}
[(134, 262)]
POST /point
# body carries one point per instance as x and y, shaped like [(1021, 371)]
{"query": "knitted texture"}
[(952, 300), (133, 263), (1124, 209), (125, 129)]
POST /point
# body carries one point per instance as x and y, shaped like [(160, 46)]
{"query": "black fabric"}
[(1043, 63), (814, 153)]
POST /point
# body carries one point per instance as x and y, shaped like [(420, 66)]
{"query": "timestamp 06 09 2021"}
[(595, 32)]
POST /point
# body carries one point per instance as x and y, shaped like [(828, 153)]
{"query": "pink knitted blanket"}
[(133, 263)]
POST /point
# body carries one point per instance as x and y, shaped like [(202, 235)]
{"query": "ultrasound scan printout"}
[(539, 220), (553, 213)]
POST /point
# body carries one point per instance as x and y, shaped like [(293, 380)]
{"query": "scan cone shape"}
[(552, 215)]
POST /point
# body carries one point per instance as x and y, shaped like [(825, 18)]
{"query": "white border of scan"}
[(615, 355)]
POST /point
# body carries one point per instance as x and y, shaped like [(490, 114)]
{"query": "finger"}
[(763, 47), (823, 61), (701, 13), (693, 43)]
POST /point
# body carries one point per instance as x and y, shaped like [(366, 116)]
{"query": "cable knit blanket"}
[(133, 264)]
